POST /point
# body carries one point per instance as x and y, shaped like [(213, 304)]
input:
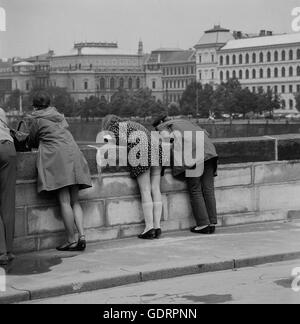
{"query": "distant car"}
[(290, 116), (226, 116)]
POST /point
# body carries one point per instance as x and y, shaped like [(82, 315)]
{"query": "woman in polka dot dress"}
[(142, 152)]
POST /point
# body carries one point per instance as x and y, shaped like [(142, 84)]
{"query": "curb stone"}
[(167, 273)]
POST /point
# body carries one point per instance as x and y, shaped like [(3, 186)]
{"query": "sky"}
[(35, 26)]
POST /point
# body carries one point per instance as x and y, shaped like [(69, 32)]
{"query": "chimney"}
[(141, 48), (262, 33)]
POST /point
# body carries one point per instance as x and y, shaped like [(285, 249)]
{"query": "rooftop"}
[(215, 36), (93, 48), (262, 41), (168, 56)]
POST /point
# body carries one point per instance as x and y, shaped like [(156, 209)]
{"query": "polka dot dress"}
[(140, 149)]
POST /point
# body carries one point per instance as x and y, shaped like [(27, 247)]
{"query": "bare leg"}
[(67, 213), (156, 195), (78, 213), (144, 183)]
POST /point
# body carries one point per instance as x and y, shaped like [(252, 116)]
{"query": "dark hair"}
[(159, 120), (41, 100)]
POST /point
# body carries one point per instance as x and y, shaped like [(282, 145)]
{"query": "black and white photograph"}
[(149, 155)]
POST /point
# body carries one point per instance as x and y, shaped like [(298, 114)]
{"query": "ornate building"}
[(24, 74), (98, 69), (168, 72), (270, 62)]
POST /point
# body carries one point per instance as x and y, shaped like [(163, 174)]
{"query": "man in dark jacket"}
[(200, 186)]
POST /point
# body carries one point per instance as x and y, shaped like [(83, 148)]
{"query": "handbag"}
[(21, 139)]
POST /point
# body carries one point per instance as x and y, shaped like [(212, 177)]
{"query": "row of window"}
[(283, 89), (260, 58), (113, 84), (173, 97), (288, 103), (176, 84), (261, 73), (180, 70)]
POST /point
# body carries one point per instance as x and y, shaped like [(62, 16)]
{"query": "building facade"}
[(268, 62), (24, 74), (169, 72), (97, 69)]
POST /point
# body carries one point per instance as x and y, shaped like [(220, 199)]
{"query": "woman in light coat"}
[(62, 168)]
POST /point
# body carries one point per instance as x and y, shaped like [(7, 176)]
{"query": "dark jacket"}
[(182, 126)]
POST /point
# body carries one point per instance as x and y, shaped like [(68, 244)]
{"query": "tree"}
[(13, 101), (90, 107), (188, 102), (174, 109), (225, 98), (144, 104), (120, 104)]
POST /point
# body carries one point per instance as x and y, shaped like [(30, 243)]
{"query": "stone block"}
[(242, 219), (289, 149), (94, 214), (103, 234), (235, 200), (279, 197), (235, 176), (44, 220), (245, 150), (179, 206), (277, 172), (21, 222), (124, 212), (171, 225)]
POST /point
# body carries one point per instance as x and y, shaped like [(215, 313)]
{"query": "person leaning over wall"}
[(201, 188), (8, 170), (62, 168), (146, 173)]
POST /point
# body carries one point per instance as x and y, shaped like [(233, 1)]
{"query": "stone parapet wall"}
[(256, 183)]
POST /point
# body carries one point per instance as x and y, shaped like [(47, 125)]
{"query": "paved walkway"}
[(110, 264), (265, 284)]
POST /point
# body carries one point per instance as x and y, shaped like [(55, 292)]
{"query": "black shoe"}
[(158, 233), (205, 230), (81, 245), (148, 236), (212, 229), (4, 260), (68, 247)]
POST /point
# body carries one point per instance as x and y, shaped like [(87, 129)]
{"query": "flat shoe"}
[(150, 235), (69, 247), (205, 230)]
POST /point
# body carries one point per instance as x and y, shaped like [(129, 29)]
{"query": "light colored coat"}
[(60, 162)]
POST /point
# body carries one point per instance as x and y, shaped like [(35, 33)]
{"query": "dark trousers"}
[(8, 163), (202, 194)]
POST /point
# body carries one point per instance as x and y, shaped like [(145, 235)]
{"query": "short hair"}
[(41, 100), (160, 119)]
